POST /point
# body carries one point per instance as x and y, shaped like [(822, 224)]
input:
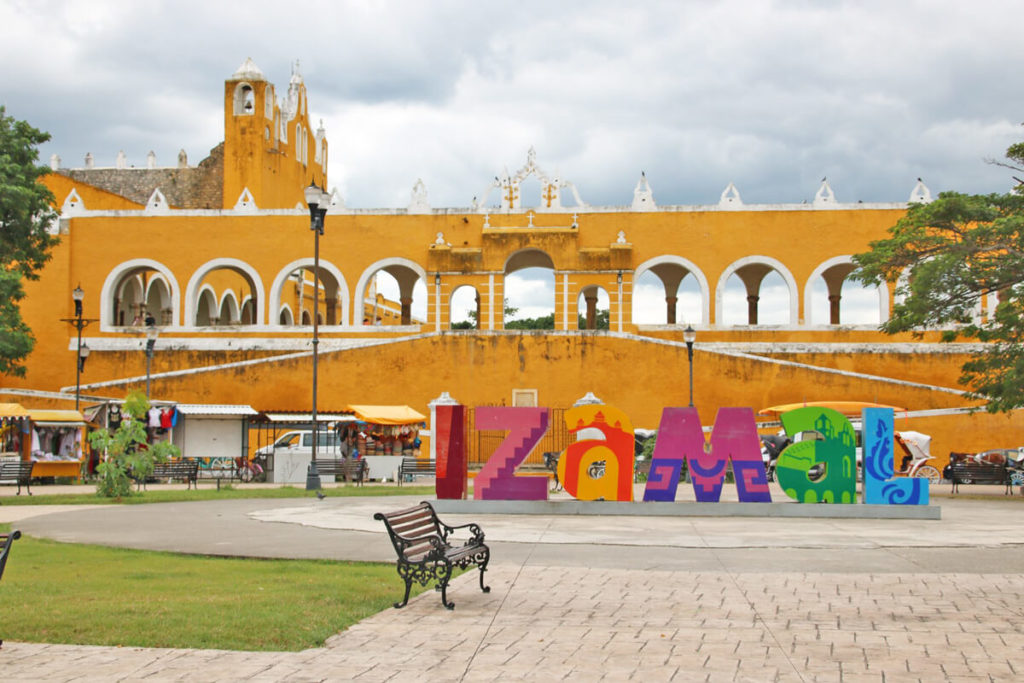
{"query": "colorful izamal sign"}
[(733, 440)]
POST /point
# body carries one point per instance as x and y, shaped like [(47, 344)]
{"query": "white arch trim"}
[(236, 310), (192, 290), (883, 290), (110, 283), (765, 261), (702, 281), (282, 276), (364, 279)]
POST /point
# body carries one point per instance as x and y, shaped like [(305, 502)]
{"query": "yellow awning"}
[(844, 407), (388, 415), (12, 410), (63, 416)]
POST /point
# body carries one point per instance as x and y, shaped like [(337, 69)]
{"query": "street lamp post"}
[(690, 336), (152, 332), (82, 350), (317, 200)]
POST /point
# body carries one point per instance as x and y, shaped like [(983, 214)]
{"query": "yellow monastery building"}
[(220, 254)]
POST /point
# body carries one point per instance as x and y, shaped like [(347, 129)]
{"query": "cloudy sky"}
[(769, 95)]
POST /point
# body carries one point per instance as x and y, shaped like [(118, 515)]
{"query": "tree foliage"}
[(944, 257), (26, 211), (126, 451)]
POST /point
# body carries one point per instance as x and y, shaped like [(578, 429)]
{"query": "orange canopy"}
[(844, 407), (52, 416), (388, 415)]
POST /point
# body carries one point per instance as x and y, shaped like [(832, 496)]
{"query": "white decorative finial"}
[(825, 196), (621, 238), (54, 162), (643, 197), (122, 160), (530, 216), (419, 203), (588, 400), (440, 238), (920, 194), (730, 198), (151, 159), (575, 221), (487, 220)]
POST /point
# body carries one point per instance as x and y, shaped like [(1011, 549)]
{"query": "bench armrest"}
[(474, 529)]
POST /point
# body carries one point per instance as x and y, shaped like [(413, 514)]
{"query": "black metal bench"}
[(426, 549), (183, 470), (352, 469), (977, 473), (416, 467), (19, 473)]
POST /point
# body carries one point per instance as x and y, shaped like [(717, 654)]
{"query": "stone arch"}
[(307, 319), (158, 300), (285, 317), (669, 269), (207, 310), (539, 260), (751, 270), (591, 296), (331, 280), (247, 272), (229, 309), (406, 272), (834, 272), (458, 294), (116, 279), (247, 311)]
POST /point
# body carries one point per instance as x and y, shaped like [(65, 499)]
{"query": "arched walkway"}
[(249, 273), (751, 270), (671, 271), (335, 289), (835, 273), (127, 269), (406, 273)]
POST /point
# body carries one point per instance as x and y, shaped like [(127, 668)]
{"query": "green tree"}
[(126, 451), (602, 320), (944, 257), (26, 211)]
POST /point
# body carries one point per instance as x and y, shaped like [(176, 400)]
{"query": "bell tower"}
[(269, 149)]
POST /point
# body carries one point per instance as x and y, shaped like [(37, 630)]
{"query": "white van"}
[(301, 441)]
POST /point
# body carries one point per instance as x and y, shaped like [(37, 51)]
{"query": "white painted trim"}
[(117, 274), (565, 301), (285, 307), (490, 301), (763, 260), (274, 300), (192, 289), (702, 281), (883, 291)]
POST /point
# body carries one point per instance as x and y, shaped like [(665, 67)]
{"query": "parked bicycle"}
[(249, 470)]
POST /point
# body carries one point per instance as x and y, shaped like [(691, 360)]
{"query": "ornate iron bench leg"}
[(483, 568), (405, 571), (445, 574)]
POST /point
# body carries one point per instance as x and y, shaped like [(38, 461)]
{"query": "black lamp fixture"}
[(318, 202), (80, 323), (690, 336)]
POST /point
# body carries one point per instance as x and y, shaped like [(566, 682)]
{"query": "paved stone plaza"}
[(600, 599)]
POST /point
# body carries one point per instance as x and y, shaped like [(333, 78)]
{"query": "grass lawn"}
[(156, 494), (64, 593)]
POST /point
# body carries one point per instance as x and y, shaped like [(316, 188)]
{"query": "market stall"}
[(14, 426), (57, 442), (381, 435)]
